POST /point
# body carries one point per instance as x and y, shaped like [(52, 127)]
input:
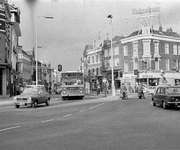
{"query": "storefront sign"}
[(146, 10), (147, 76)]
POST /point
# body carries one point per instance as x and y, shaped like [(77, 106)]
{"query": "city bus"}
[(72, 85)]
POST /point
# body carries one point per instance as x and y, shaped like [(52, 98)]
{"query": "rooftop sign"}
[(146, 10)]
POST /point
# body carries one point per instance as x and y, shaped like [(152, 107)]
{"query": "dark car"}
[(166, 96), (32, 95)]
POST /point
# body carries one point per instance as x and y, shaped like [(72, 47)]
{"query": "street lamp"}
[(37, 46), (112, 69)]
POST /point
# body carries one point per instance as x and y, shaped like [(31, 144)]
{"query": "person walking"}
[(98, 88), (140, 90)]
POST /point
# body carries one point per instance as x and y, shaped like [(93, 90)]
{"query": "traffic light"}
[(59, 67), (136, 72)]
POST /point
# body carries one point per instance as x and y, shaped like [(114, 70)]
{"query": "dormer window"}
[(146, 30)]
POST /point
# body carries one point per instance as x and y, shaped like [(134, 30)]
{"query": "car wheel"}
[(17, 106), (35, 104), (164, 105), (48, 102), (154, 104)]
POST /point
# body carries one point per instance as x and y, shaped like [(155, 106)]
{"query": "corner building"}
[(151, 52)]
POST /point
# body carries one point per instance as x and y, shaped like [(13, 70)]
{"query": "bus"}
[(72, 85)]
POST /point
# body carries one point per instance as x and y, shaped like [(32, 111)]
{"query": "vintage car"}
[(32, 95), (166, 96), (149, 90)]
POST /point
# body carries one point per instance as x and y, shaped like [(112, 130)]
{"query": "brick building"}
[(151, 52)]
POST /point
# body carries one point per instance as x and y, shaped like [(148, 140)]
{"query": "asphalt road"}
[(99, 124)]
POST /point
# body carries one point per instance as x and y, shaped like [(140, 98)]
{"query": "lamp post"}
[(37, 46), (112, 64)]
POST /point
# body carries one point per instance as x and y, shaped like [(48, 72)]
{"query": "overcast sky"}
[(77, 23)]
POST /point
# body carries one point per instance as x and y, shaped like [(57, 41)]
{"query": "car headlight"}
[(14, 98), (64, 92), (29, 99), (80, 92)]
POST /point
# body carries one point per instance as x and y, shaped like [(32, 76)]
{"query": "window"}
[(166, 48), (156, 48), (116, 51), (89, 60), (135, 49), (106, 53), (125, 66), (97, 71), (92, 59), (156, 65), (125, 50), (174, 64), (116, 62), (167, 64), (97, 58), (146, 48), (178, 49), (136, 64), (175, 49)]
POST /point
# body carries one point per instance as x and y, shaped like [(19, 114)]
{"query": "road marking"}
[(46, 120), (96, 106), (151, 102), (68, 115), (10, 128), (81, 111)]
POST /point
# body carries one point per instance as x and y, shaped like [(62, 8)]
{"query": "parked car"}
[(32, 95), (149, 90), (166, 96)]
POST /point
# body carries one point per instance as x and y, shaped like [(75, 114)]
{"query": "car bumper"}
[(174, 103), (22, 103)]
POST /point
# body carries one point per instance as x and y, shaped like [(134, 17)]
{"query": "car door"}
[(163, 95), (41, 96), (46, 95), (157, 95)]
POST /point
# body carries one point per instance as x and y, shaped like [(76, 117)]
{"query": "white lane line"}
[(81, 111), (96, 106), (10, 128), (67, 115), (46, 120), (151, 102)]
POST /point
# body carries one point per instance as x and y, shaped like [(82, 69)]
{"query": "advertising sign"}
[(146, 10)]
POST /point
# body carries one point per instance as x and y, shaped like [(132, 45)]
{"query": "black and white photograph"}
[(89, 74)]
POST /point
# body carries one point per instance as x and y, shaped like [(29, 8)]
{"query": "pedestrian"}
[(140, 90), (21, 89), (98, 88)]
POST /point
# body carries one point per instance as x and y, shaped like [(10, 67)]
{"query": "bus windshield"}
[(72, 81), (72, 78)]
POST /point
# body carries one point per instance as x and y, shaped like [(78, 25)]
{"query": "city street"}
[(101, 123)]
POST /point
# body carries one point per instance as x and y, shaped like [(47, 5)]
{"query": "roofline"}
[(150, 36)]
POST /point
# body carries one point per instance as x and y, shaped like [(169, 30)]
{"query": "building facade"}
[(5, 48), (117, 60), (151, 52), (24, 67)]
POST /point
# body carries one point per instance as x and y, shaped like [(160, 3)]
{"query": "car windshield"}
[(30, 91), (171, 90)]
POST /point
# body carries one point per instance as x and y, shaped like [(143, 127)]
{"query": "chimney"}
[(160, 28)]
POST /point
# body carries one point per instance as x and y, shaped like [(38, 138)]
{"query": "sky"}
[(76, 23)]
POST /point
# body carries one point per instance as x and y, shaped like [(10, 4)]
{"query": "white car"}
[(149, 90)]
